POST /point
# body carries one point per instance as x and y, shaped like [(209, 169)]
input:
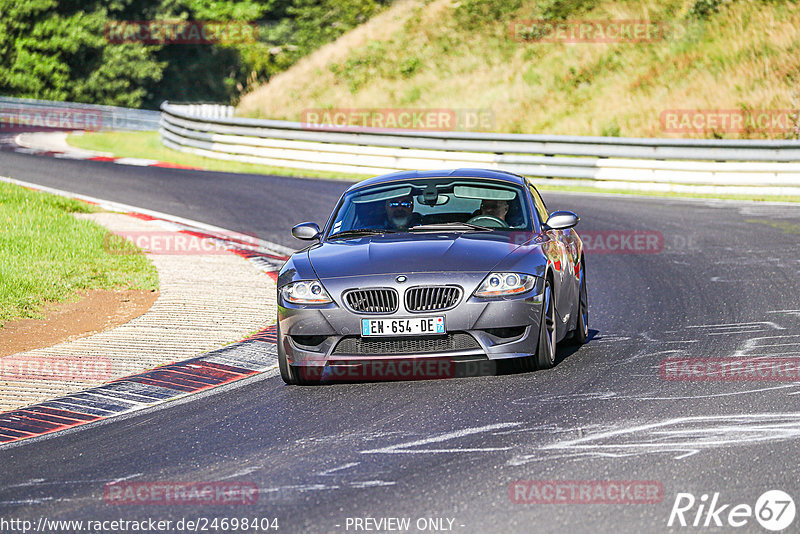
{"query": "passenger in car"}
[(494, 208)]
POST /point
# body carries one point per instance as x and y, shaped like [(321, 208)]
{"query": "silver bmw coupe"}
[(417, 272)]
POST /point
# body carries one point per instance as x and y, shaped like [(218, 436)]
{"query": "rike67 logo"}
[(774, 510)]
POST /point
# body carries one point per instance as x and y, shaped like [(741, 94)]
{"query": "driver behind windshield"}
[(399, 212)]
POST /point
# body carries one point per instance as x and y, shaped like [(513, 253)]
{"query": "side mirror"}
[(306, 231), (561, 220)]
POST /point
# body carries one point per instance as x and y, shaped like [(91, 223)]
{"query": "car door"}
[(561, 251)]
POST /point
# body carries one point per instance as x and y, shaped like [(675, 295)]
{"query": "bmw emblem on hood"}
[(400, 279)]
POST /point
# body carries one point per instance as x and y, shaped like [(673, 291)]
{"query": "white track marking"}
[(328, 472), (241, 473), (739, 325), (714, 395), (795, 313), (761, 345), (139, 162), (371, 484), (579, 397), (403, 448), (301, 488), (688, 434), (123, 479), (26, 502)]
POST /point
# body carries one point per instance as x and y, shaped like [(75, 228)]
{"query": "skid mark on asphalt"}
[(347, 437), (410, 446), (340, 476), (652, 343), (26, 502), (771, 346), (346, 475), (759, 258), (679, 437), (372, 484), (290, 492), (691, 333), (337, 469), (614, 396), (610, 338), (794, 313), (716, 395), (36, 486), (751, 339), (569, 397), (726, 329)]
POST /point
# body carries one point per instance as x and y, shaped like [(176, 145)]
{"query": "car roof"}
[(464, 172)]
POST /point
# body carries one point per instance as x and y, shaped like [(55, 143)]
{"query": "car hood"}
[(430, 252)]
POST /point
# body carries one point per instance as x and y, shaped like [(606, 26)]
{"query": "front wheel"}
[(287, 374), (546, 349), (292, 376)]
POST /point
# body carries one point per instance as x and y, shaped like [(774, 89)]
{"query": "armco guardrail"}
[(65, 115), (770, 167)]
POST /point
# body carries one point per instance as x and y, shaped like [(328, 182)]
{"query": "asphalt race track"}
[(722, 283)]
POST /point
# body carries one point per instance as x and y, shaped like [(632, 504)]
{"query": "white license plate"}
[(413, 326)]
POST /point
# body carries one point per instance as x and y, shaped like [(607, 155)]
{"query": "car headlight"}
[(306, 292), (501, 284)]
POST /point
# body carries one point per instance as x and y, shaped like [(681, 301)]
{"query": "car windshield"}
[(432, 204)]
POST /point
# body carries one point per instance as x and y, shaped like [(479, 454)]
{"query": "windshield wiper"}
[(356, 232), (449, 226)]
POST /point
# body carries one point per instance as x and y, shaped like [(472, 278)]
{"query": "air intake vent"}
[(432, 298), (406, 345), (377, 300)]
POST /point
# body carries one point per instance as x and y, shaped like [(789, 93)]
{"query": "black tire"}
[(286, 371), (581, 332), (524, 364), (527, 364), (546, 348), (289, 374)]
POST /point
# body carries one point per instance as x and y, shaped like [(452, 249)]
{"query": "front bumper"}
[(479, 329)]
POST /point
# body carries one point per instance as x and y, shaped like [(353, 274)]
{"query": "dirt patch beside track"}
[(96, 311)]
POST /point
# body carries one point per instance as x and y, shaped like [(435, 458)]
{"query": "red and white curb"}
[(235, 362), (58, 148), (249, 357)]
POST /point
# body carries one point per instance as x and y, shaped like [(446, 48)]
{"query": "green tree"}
[(57, 51)]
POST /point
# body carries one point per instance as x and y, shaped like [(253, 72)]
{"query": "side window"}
[(541, 209)]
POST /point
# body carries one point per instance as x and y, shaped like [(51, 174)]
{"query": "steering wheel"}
[(490, 221)]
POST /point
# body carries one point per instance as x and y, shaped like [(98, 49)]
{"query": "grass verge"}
[(47, 255), (470, 56), (148, 145)]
